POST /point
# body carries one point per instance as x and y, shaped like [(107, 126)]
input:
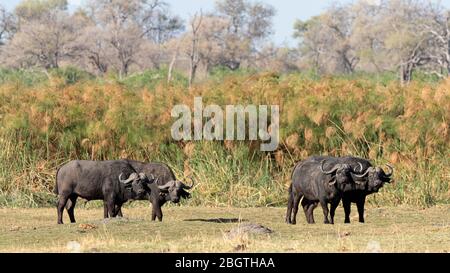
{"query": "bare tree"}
[(194, 57), (248, 25), (44, 38), (127, 25), (211, 43), (28, 10), (438, 29), (407, 45), (387, 35), (326, 40), (95, 52), (281, 59)]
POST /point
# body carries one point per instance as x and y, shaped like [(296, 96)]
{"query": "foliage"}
[(151, 78), (46, 125)]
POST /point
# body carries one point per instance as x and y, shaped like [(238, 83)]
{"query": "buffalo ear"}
[(332, 180), (185, 194), (386, 179)]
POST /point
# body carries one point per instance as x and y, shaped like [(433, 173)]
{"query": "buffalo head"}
[(175, 190), (137, 182), (376, 177), (340, 174)]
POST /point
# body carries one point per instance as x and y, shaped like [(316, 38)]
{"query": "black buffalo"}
[(318, 180), (114, 182), (369, 181), (170, 189), (366, 181)]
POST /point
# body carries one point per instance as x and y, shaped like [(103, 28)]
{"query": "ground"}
[(202, 229)]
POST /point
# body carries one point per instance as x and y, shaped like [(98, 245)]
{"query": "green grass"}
[(196, 229)]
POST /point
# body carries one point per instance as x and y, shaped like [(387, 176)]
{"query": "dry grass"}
[(43, 126), (202, 229)]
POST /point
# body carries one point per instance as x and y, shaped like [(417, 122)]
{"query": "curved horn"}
[(360, 168), (165, 186), (391, 171), (327, 172), (129, 179), (365, 173), (188, 187)]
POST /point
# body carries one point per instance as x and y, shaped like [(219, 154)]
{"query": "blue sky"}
[(287, 12)]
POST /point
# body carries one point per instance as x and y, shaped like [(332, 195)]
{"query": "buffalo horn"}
[(391, 170), (132, 177), (328, 172), (365, 173)]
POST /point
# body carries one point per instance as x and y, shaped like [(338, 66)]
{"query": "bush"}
[(71, 75), (22, 77), (151, 78)]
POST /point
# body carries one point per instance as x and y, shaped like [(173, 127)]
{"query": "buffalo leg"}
[(289, 207), (333, 207), (71, 207), (305, 205), (119, 210), (61, 204), (308, 208), (297, 198), (360, 206), (153, 211), (324, 205), (311, 208), (156, 211), (105, 210), (347, 208), (110, 206)]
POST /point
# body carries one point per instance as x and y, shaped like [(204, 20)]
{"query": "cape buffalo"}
[(170, 189), (369, 181), (318, 180), (114, 182)]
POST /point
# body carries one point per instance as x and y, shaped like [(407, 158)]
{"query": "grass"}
[(196, 229), (72, 116)]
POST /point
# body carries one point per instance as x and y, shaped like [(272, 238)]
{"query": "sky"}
[(287, 12)]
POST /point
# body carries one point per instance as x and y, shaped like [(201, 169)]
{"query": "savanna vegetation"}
[(47, 120)]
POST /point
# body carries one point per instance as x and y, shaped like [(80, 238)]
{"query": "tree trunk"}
[(192, 73), (406, 71), (172, 63)]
